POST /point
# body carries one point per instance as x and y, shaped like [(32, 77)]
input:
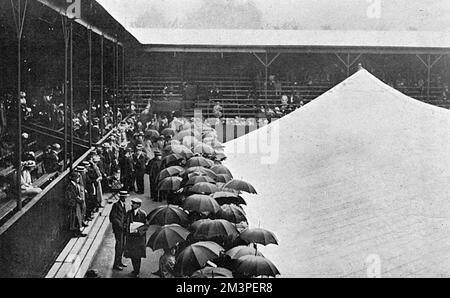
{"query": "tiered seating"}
[(234, 90), (8, 205), (152, 86), (435, 95)]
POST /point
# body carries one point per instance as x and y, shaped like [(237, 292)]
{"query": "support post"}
[(266, 63), (19, 21), (116, 92), (102, 122), (429, 65), (90, 87), (66, 75), (428, 76), (347, 63), (123, 76), (266, 68), (71, 92)]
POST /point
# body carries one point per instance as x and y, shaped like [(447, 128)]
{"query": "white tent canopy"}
[(361, 179)]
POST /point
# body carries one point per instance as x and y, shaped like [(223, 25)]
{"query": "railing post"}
[(90, 88), (66, 87), (123, 75), (19, 21), (71, 91), (102, 122), (428, 77)]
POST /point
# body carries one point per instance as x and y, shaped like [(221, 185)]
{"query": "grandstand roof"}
[(357, 177), (95, 17), (160, 39)]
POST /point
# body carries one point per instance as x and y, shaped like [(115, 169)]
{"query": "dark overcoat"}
[(135, 243), (75, 204)]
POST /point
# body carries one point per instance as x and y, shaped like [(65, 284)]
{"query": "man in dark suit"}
[(140, 162), (153, 168), (75, 204), (117, 217), (50, 160), (136, 237)]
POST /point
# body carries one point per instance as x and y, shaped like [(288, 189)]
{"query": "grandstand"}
[(310, 62)]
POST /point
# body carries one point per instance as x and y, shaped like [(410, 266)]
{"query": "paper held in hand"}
[(134, 226)]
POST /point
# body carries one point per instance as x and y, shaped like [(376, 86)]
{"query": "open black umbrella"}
[(223, 178), (212, 272), (201, 204), (198, 161), (232, 213), (258, 235), (170, 184), (204, 188), (197, 179), (221, 169), (201, 170), (169, 214), (220, 155), (207, 229), (242, 250), (183, 151), (251, 265), (225, 197), (170, 171), (196, 255), (167, 237), (240, 185), (171, 159)]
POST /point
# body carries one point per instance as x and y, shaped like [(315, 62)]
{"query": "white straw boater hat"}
[(29, 163), (136, 200)]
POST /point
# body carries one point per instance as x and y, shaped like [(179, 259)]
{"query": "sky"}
[(420, 15)]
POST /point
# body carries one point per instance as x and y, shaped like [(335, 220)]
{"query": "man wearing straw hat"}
[(135, 245), (82, 185), (140, 162), (75, 204), (117, 218)]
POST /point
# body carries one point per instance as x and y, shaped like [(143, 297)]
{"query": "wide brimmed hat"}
[(123, 193), (29, 163), (136, 201), (80, 169)]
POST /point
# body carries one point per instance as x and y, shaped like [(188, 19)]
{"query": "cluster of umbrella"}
[(206, 223)]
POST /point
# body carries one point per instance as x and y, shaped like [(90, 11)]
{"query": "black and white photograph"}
[(246, 140)]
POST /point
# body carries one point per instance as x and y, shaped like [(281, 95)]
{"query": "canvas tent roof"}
[(360, 178)]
